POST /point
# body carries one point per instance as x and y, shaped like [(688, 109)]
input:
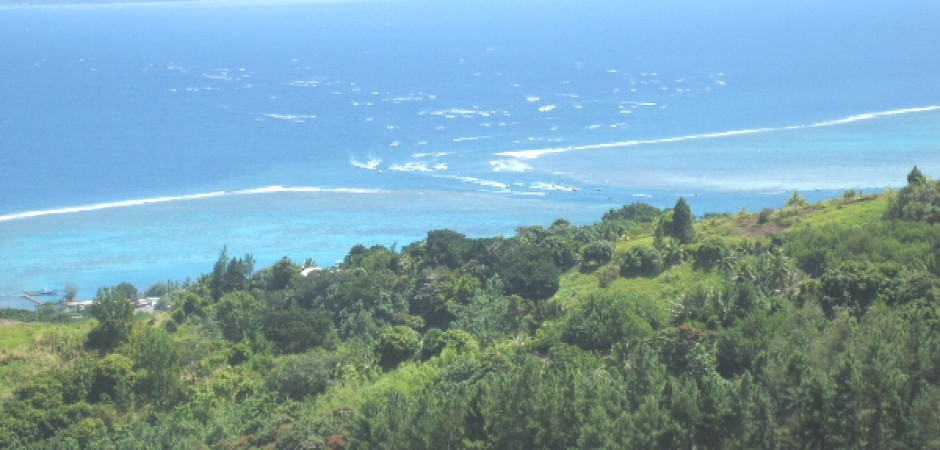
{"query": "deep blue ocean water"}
[(137, 141)]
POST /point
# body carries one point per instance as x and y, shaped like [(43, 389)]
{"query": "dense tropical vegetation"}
[(812, 326)]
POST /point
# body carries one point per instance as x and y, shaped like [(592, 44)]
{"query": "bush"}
[(642, 260), (305, 375), (605, 318), (764, 215), (710, 252), (596, 254), (295, 330), (918, 201), (528, 270), (396, 345), (637, 212), (240, 315), (435, 341)]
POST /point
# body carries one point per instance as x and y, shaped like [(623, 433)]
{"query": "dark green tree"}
[(528, 270), (597, 253), (217, 279), (129, 290), (295, 330), (915, 176), (448, 248), (682, 220)]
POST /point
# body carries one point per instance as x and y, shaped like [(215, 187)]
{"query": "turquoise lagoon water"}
[(137, 141)]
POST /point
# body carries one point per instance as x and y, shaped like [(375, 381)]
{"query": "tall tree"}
[(216, 282), (114, 314), (915, 176), (682, 222)]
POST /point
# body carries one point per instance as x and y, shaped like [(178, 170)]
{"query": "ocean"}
[(138, 140)]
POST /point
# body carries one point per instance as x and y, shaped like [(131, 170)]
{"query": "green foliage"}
[(129, 291), (919, 200), (528, 270), (114, 314), (642, 260), (240, 316), (490, 315), (710, 253), (825, 334), (637, 212), (295, 330), (305, 375), (596, 254), (114, 380), (447, 248), (682, 220), (796, 201), (229, 275), (156, 364), (916, 177), (856, 285), (396, 345), (435, 341), (604, 319)]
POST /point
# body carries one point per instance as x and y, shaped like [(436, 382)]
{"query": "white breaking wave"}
[(299, 118), (371, 164), (554, 187), (179, 198), (534, 154), (510, 165), (431, 155), (415, 166), (478, 181), (464, 139)]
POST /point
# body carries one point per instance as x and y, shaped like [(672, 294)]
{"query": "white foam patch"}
[(431, 155), (296, 118), (554, 187), (304, 83), (411, 167), (371, 164), (463, 113), (510, 165), (474, 138), (181, 198), (547, 108), (478, 181)]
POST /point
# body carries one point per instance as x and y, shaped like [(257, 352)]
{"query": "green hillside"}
[(809, 326)]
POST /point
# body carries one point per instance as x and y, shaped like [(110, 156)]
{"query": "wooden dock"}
[(33, 299)]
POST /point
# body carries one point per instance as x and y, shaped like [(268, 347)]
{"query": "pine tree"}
[(916, 177), (682, 222)]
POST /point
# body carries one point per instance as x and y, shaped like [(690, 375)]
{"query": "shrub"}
[(602, 319), (596, 254), (395, 345), (642, 260)]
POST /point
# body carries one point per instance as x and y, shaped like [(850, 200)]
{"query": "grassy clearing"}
[(27, 349)]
